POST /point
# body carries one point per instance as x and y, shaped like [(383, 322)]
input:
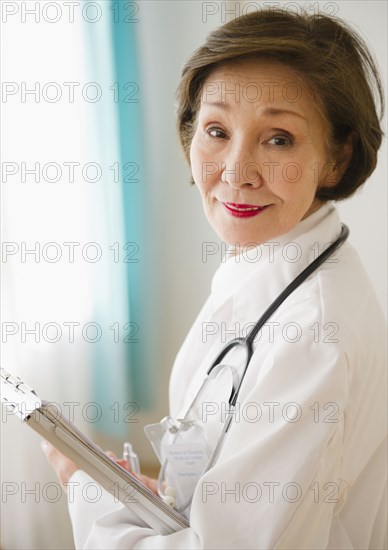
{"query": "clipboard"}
[(47, 421)]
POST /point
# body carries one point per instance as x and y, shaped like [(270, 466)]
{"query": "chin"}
[(240, 238)]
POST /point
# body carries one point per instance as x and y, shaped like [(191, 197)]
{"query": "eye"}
[(215, 132), (281, 140)]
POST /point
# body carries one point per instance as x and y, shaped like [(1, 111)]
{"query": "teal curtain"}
[(133, 184), (120, 373)]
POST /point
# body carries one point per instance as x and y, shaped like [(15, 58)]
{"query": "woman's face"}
[(258, 153)]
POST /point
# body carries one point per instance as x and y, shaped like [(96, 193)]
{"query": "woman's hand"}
[(65, 468), (149, 482)]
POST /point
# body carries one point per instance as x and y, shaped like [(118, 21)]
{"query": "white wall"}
[(366, 212)]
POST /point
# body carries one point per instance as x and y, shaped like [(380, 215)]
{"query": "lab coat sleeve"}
[(277, 482), (100, 521)]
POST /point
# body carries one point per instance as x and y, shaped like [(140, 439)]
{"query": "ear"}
[(336, 168)]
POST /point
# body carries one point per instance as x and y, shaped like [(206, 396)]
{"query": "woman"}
[(276, 117)]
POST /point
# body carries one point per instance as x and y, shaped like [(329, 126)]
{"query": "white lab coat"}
[(310, 472)]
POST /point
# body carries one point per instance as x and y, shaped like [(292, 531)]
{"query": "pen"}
[(131, 458)]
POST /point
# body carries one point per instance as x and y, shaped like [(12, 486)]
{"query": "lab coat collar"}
[(253, 278)]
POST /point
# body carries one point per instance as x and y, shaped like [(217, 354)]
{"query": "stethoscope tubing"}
[(247, 341)]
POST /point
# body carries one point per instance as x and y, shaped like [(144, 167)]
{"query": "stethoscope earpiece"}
[(170, 501)]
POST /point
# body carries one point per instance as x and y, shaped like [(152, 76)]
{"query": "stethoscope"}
[(246, 344)]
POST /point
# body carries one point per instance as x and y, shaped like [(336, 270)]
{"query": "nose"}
[(241, 168)]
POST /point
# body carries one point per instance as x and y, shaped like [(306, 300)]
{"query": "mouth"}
[(243, 210)]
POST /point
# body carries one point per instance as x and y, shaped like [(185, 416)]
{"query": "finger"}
[(150, 483), (63, 466), (124, 464), (54, 456), (111, 454), (50, 451)]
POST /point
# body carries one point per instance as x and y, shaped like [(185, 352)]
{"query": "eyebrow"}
[(267, 111)]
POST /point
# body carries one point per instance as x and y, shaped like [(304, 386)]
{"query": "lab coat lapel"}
[(255, 279)]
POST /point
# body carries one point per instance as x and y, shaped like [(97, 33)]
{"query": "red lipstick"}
[(243, 210)]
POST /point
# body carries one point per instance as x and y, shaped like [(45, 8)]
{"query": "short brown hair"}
[(331, 58)]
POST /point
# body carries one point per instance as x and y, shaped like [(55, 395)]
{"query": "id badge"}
[(183, 452), (185, 447), (186, 459)]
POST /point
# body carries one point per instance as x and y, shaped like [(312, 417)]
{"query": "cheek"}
[(203, 167), (294, 178)]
